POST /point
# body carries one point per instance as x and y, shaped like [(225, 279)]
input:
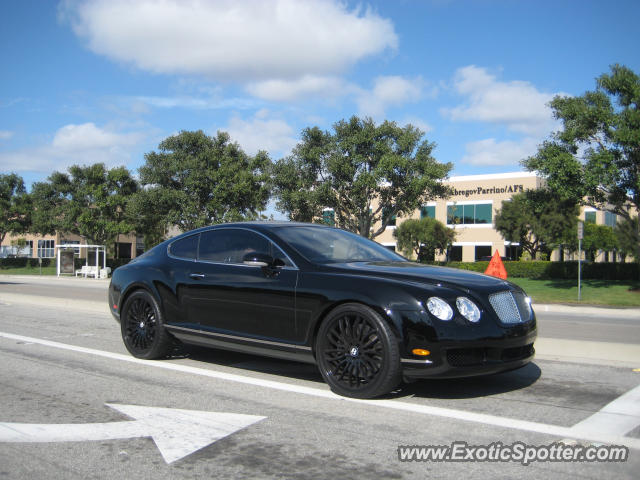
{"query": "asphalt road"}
[(63, 361)]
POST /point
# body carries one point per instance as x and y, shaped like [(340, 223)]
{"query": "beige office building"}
[(471, 212)]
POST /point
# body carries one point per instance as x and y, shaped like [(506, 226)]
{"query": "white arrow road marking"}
[(177, 433)]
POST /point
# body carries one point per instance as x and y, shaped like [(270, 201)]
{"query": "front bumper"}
[(462, 361), (466, 350)]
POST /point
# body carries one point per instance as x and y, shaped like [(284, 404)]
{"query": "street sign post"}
[(580, 237)]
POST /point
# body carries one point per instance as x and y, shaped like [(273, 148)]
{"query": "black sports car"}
[(365, 315)]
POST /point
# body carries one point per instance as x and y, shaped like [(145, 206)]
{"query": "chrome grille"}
[(511, 307)]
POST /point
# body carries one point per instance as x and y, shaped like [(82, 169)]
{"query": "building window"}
[(386, 213), (513, 252), (27, 251), (139, 245), (76, 251), (472, 214), (329, 217), (483, 252), (610, 219), (428, 211), (589, 217), (46, 248), (455, 253), (124, 249)]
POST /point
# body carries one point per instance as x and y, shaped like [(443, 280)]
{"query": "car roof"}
[(258, 225)]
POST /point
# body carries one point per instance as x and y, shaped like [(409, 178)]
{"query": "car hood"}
[(415, 272)]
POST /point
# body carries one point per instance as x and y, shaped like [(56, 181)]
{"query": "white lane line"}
[(616, 418), (511, 423)]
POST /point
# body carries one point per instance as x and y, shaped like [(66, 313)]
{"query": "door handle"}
[(197, 276)]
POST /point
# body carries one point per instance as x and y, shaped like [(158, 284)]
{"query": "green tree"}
[(626, 232), (297, 179), (205, 180), (15, 206), (595, 157), (146, 211), (538, 220), (366, 173), (598, 237), (424, 237), (89, 201)]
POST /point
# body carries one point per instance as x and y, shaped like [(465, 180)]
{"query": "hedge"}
[(23, 262), (557, 270), (534, 270)]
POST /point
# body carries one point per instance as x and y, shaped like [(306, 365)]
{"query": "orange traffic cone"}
[(496, 267)]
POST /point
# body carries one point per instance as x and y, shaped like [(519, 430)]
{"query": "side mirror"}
[(255, 259)]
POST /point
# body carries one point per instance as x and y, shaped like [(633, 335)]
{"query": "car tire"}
[(142, 327), (357, 352)]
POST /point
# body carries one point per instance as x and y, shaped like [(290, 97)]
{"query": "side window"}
[(229, 245), (185, 248)]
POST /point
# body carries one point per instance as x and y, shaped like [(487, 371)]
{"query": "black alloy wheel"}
[(357, 352), (142, 328)]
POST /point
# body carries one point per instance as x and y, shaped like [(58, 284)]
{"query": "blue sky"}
[(107, 80)]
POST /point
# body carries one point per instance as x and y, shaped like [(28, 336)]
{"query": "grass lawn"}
[(29, 271), (594, 292)]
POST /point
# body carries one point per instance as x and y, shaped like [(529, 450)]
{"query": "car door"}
[(174, 293), (226, 296)]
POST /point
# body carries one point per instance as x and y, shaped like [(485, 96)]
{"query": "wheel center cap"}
[(354, 351), (141, 324)]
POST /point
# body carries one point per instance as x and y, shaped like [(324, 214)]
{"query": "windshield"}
[(331, 245)]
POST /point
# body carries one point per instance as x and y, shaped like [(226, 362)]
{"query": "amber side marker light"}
[(420, 351)]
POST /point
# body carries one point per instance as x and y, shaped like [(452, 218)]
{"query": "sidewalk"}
[(589, 310), (588, 352), (54, 279)]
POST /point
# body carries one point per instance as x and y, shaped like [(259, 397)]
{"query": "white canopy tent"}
[(98, 249)]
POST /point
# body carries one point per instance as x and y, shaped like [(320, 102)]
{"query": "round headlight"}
[(439, 308), (468, 309)]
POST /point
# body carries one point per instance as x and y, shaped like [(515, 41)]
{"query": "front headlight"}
[(468, 309), (439, 308)]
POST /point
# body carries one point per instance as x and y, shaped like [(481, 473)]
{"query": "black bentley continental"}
[(366, 316)]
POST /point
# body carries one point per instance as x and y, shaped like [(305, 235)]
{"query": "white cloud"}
[(195, 103), (280, 90), (518, 105), (231, 39), (5, 134), (262, 133), (78, 138), (74, 144), (489, 152), (389, 91)]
